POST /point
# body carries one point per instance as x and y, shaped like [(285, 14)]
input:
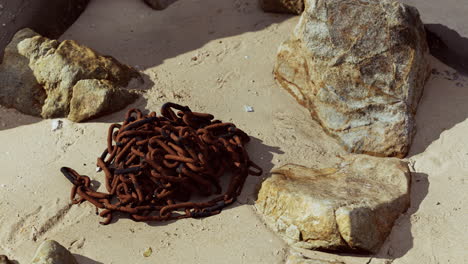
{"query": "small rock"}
[(148, 252), (39, 76), (248, 108), (51, 252), (283, 6)]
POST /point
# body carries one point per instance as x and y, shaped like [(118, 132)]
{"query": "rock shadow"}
[(442, 106), (85, 260), (146, 37), (400, 240), (448, 46)]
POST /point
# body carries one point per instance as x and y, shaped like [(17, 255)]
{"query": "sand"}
[(217, 56)]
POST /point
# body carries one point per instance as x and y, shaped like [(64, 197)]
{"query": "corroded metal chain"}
[(154, 165)]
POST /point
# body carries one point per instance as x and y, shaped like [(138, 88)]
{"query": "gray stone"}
[(51, 252), (38, 76), (360, 68), (349, 207), (283, 6)]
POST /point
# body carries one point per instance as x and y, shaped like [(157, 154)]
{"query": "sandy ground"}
[(217, 56)]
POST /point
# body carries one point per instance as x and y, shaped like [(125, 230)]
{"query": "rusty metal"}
[(154, 165)]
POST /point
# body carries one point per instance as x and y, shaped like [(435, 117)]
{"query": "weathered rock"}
[(4, 260), (38, 76), (360, 68), (92, 98), (159, 4), (51, 252), (283, 6), (350, 207)]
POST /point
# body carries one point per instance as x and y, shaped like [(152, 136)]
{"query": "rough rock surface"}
[(350, 207), (51, 252), (283, 6), (159, 4), (96, 97), (38, 76), (360, 68)]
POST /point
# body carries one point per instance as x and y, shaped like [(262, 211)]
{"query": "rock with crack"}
[(283, 6), (51, 252), (350, 207), (360, 68), (159, 4), (39, 76)]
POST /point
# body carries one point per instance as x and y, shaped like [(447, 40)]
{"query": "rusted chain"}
[(154, 164)]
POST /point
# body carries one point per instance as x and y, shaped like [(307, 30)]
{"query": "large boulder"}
[(350, 207), (360, 68), (38, 77), (283, 6)]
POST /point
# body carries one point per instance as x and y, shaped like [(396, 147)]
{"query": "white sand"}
[(235, 45)]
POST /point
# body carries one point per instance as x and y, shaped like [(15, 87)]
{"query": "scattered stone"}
[(41, 77), (361, 83), (51, 252), (350, 207), (295, 7), (4, 260), (148, 252), (159, 4)]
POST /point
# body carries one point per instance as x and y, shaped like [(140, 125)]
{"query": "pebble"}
[(148, 252), (248, 108), (51, 252)]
